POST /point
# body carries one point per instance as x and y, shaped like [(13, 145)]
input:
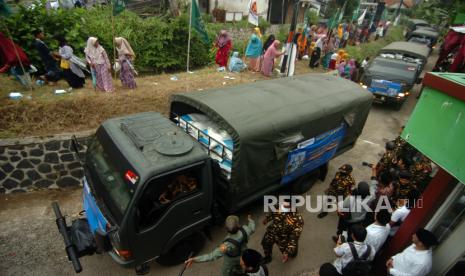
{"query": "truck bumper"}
[(121, 262), (388, 99)]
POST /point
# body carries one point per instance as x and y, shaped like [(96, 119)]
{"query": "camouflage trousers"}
[(285, 242)]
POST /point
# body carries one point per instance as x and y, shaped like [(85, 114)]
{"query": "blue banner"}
[(312, 153), (385, 87)]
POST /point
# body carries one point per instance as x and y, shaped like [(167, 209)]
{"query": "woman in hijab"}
[(268, 43), (254, 50), (316, 53), (100, 64), (341, 68), (71, 65), (125, 57), (352, 67), (268, 58), (236, 64), (224, 45)]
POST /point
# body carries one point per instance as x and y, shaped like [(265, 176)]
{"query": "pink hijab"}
[(272, 51)]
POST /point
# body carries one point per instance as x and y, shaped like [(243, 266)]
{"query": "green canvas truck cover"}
[(414, 49), (262, 117)]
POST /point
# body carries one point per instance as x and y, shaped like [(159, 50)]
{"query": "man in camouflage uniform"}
[(420, 171), (284, 230), (341, 185), (232, 247), (388, 160), (406, 187)]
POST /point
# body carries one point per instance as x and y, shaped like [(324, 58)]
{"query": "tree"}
[(438, 12), (174, 8)]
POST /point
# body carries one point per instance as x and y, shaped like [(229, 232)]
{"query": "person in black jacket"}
[(49, 59)]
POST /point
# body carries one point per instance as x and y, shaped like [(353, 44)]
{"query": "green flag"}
[(119, 6), (4, 9), (197, 23), (333, 20), (356, 12), (341, 14)]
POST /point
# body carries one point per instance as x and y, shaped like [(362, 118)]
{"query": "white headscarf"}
[(123, 47), (94, 54)]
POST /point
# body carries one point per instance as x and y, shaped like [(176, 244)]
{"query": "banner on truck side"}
[(312, 153)]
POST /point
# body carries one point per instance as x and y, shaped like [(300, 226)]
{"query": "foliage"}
[(372, 48), (334, 5), (283, 33), (312, 17), (439, 12), (160, 43)]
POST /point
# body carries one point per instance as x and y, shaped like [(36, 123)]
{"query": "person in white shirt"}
[(343, 252), (365, 62), (415, 260), (399, 215), (378, 231)]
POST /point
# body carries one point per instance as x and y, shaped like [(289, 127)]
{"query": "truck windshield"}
[(109, 183)]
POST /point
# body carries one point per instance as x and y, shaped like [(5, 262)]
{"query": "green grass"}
[(372, 48)]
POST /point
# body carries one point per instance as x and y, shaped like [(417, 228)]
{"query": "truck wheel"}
[(398, 105), (180, 252), (304, 183)]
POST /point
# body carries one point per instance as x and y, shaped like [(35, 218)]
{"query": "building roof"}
[(407, 3)]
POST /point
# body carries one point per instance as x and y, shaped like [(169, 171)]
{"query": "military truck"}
[(152, 183), (393, 73), (413, 24), (424, 35)]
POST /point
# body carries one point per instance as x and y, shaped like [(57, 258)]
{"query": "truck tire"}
[(304, 183), (180, 252)]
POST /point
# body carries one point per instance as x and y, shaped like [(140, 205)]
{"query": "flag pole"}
[(189, 37), (29, 80)]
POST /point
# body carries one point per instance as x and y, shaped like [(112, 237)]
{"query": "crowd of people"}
[(321, 46), (318, 44), (399, 178), (63, 63)]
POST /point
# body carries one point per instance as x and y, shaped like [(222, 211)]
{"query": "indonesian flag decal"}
[(253, 12)]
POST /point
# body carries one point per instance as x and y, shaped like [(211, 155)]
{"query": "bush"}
[(372, 48), (159, 43)]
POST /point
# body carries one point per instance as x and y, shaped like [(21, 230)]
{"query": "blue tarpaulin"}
[(312, 153)]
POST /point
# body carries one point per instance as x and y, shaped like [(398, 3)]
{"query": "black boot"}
[(322, 215)]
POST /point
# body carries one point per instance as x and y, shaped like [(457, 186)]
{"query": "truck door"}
[(171, 207)]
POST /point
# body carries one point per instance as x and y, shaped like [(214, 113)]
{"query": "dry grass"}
[(42, 113)]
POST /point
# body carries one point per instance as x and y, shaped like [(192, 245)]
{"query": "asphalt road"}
[(31, 245)]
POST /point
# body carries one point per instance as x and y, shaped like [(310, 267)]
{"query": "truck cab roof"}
[(393, 70), (150, 143)]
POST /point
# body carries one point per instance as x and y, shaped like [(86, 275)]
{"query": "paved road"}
[(31, 245)]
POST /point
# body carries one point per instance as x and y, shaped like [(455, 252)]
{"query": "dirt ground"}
[(41, 112)]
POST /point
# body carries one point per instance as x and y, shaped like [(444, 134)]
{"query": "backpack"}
[(237, 251), (359, 266)]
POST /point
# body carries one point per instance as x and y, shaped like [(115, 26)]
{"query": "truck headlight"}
[(364, 86), (401, 95)]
